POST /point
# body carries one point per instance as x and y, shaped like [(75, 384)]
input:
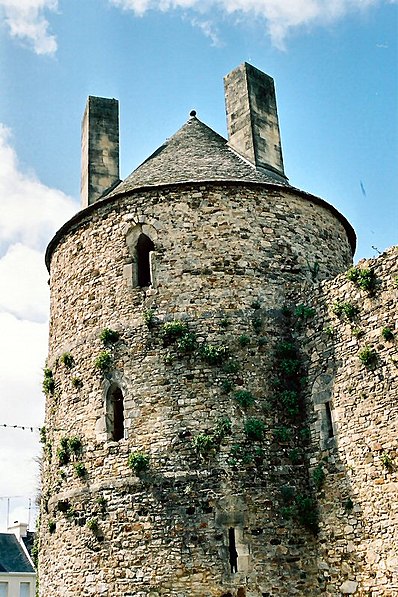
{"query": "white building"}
[(17, 572)]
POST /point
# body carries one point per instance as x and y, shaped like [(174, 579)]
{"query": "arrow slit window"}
[(115, 413)]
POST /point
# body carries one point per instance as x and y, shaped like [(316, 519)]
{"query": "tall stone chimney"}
[(252, 118), (100, 148)]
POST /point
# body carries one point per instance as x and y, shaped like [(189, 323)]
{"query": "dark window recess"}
[(329, 421), (143, 250), (233, 554), (116, 414)]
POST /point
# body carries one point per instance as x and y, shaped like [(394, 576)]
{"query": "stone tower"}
[(177, 451)]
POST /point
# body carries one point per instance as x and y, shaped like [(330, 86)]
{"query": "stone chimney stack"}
[(252, 118), (100, 148), (19, 529)]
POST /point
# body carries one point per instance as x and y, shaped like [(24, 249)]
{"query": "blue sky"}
[(335, 69)]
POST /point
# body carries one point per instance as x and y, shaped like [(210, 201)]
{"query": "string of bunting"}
[(23, 427)]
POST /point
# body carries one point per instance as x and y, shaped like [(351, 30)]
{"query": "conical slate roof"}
[(195, 153)]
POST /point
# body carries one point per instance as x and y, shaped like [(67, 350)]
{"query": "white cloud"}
[(25, 293), (22, 351), (26, 21), (279, 16), (31, 212), (23, 346), (208, 29)]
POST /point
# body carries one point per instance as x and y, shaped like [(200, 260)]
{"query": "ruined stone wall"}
[(226, 260), (352, 350)]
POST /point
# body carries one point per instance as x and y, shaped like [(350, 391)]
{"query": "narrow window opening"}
[(144, 248), (329, 421), (115, 408), (233, 554)]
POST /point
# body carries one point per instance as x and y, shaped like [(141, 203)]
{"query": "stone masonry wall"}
[(357, 500), (226, 261)]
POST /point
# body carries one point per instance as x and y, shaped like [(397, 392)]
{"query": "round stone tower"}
[(169, 466)]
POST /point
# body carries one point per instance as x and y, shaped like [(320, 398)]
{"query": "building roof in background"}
[(12, 555)]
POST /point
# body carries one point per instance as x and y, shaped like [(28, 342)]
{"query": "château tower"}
[(181, 433)]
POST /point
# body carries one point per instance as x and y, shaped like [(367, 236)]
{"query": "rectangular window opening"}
[(233, 554), (329, 420), (24, 589)]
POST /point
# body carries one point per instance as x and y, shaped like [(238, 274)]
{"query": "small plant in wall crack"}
[(329, 331), (223, 428), (108, 336), (48, 382), (172, 330), (357, 333), (77, 383), (75, 445), (318, 477), (66, 508), (224, 322), (214, 354), (387, 334), (138, 462), (314, 269), (231, 366), (368, 357), (246, 453), (303, 312), (244, 340), (63, 453), (362, 277), (299, 506), (254, 429), (103, 362), (387, 462), (227, 385), (244, 398), (203, 443), (102, 504), (282, 434), (43, 435), (67, 360), (80, 470), (206, 443), (93, 525), (69, 447), (187, 343), (149, 317), (348, 310)]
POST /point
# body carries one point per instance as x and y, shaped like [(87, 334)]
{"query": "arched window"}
[(115, 413), (144, 247)]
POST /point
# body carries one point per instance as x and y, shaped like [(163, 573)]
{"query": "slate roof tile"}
[(195, 153), (12, 556)]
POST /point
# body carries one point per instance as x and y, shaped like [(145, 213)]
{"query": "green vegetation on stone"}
[(108, 336), (138, 462), (103, 361), (362, 277)]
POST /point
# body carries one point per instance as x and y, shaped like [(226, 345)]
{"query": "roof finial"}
[(192, 113)]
